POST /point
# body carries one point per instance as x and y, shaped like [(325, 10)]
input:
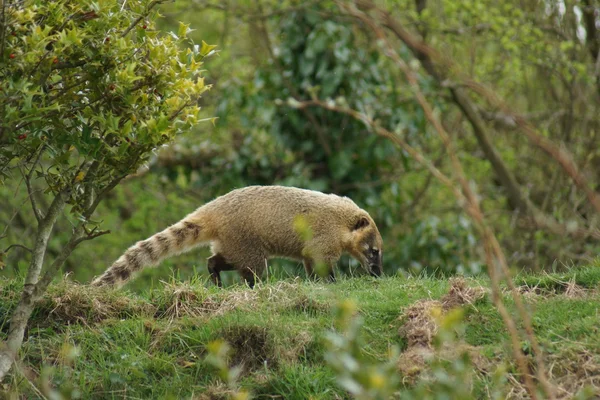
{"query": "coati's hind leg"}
[(249, 264), (216, 264)]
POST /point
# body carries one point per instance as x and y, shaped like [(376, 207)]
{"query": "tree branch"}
[(421, 51), (141, 17), (559, 153), (30, 192), (91, 235), (3, 26), (592, 34), (24, 308), (17, 245)]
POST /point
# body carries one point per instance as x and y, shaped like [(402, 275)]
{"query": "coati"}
[(247, 226)]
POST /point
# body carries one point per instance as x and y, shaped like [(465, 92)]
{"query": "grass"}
[(116, 344)]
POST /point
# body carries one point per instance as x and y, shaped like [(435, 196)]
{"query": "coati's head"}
[(366, 244)]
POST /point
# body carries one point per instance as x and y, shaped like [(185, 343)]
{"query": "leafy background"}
[(537, 56)]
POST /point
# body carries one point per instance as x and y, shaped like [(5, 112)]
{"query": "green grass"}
[(153, 344), (586, 277)]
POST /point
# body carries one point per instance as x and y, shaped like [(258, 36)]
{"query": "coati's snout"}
[(375, 259), (367, 246)]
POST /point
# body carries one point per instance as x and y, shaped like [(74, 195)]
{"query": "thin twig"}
[(91, 235), (17, 245), (141, 17)]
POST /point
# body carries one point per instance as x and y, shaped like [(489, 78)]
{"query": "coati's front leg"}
[(331, 274), (216, 264), (330, 265), (310, 271), (309, 268), (252, 265), (249, 276)]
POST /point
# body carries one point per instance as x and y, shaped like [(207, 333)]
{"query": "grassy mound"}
[(114, 344)]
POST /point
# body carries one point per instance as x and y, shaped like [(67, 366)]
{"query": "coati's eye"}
[(375, 252)]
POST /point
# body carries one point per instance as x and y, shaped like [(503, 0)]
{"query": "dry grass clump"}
[(571, 372), (283, 294), (252, 347), (570, 290), (574, 291), (216, 391), (187, 300), (461, 294), (71, 303), (454, 351), (255, 348), (421, 326), (305, 304), (297, 346), (412, 362), (549, 284)]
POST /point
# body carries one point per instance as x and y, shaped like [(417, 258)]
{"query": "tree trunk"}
[(513, 191), (21, 314), (592, 37)]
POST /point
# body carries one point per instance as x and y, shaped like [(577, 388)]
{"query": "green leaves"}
[(206, 49), (77, 80)]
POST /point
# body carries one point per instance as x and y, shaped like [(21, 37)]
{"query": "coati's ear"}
[(361, 223)]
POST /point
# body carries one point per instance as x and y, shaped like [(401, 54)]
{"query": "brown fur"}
[(249, 225)]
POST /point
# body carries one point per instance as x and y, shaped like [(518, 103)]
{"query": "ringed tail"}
[(178, 238)]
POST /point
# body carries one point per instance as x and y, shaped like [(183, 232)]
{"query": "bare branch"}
[(249, 14), (380, 131), (558, 152), (91, 235), (90, 210), (427, 56), (89, 188), (3, 26), (17, 245), (14, 215)]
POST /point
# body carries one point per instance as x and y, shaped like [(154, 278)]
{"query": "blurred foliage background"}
[(541, 57)]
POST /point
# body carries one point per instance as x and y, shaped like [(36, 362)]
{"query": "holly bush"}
[(90, 88)]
